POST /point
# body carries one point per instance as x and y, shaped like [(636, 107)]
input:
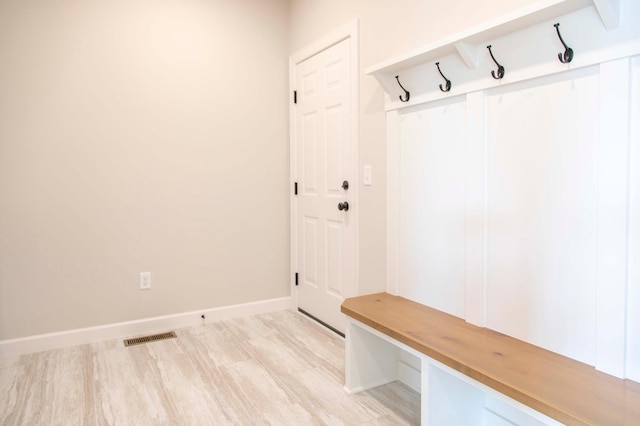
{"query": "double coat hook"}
[(447, 81), (406, 93), (500, 72), (567, 55)]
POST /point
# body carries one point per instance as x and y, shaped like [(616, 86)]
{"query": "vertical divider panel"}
[(633, 262), (475, 228), (424, 390), (393, 200), (612, 217)]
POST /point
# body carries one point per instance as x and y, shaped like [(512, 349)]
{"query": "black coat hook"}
[(500, 73), (567, 55), (447, 85), (406, 93)]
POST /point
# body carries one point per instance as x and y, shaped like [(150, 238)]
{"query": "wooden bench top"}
[(564, 389)]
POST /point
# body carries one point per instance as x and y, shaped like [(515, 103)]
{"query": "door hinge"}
[(296, 278), (295, 188), (295, 96)]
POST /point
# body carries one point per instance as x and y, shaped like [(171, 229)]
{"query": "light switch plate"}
[(368, 176)]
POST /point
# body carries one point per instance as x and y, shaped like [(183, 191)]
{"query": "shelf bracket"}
[(469, 54), (609, 11)]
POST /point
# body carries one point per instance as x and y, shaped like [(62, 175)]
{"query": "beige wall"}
[(140, 135), (152, 136), (387, 29)]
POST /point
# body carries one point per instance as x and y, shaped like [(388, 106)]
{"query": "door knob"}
[(343, 206), (345, 185)]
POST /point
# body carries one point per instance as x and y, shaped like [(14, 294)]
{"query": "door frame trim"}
[(350, 30)]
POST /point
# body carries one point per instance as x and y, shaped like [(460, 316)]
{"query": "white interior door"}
[(324, 159)]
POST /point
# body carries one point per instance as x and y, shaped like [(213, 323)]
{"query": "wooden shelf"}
[(466, 43), (562, 388)]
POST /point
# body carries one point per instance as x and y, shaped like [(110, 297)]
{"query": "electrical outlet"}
[(145, 280)]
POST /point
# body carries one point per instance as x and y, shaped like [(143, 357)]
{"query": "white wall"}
[(140, 135), (387, 28), (516, 198)]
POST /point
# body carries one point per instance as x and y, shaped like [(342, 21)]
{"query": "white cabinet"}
[(448, 397)]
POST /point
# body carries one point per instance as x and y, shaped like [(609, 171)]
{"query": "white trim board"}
[(81, 336)]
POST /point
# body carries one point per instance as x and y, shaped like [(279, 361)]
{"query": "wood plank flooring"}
[(271, 369)]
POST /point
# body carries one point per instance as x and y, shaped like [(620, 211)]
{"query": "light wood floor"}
[(277, 368)]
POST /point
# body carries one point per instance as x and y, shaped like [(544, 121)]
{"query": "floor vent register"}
[(151, 338)]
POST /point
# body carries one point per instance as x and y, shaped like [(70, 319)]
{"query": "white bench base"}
[(448, 397)]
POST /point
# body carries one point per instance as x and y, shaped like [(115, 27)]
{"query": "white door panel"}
[(324, 147)]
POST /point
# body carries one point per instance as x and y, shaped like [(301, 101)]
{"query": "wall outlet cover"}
[(145, 280)]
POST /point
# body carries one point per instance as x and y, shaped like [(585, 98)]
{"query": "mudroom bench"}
[(470, 375)]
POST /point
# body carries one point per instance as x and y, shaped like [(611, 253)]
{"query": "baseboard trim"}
[(81, 336)]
